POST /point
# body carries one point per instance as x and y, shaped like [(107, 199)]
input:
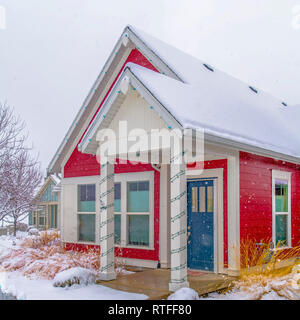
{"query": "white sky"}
[(52, 51)]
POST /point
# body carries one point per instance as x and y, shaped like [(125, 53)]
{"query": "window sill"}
[(281, 248), (86, 242), (135, 247)]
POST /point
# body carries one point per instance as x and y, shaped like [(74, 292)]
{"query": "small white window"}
[(281, 208)]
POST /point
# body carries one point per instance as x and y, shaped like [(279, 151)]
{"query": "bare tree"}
[(19, 172), (22, 183), (11, 143)]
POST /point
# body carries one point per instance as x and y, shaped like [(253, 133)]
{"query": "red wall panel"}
[(256, 197), (215, 164)]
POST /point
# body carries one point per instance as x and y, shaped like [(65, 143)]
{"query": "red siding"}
[(214, 164), (256, 197), (80, 164)]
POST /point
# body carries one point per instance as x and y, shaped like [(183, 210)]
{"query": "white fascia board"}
[(249, 148), (143, 91), (92, 129)]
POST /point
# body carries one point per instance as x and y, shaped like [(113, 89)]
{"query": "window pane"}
[(117, 226), (117, 202), (210, 199), (86, 198), (138, 196), (138, 230), (86, 227), (194, 199), (90, 192), (202, 199), (281, 229), (41, 221), (281, 196)]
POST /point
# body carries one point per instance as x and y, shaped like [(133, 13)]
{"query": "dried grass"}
[(264, 270), (44, 256), (259, 259)]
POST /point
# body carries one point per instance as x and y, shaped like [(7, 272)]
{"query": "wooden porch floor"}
[(155, 282)]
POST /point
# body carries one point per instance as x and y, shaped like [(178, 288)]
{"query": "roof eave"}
[(220, 141)]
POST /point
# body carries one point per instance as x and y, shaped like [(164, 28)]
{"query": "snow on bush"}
[(72, 276), (33, 231), (43, 256), (184, 294)]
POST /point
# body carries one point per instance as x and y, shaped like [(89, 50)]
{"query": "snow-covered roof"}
[(227, 111), (226, 94), (56, 178), (194, 71)]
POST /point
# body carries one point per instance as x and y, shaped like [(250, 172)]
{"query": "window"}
[(86, 198), (86, 195), (134, 209), (53, 216), (117, 210), (138, 203), (86, 227), (281, 208), (41, 220), (42, 216)]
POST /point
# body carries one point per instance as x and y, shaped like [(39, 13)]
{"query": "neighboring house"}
[(46, 215), (169, 215)]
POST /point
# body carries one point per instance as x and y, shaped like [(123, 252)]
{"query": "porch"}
[(135, 127), (155, 283)]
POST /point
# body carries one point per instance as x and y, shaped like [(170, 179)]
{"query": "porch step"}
[(155, 283)]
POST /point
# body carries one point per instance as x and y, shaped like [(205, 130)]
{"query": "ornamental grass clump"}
[(267, 271), (44, 256)]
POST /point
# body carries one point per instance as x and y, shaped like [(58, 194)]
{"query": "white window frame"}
[(135, 177), (83, 212), (281, 175)]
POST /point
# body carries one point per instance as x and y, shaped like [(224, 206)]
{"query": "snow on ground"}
[(184, 294), (280, 288), (16, 284), (27, 289)]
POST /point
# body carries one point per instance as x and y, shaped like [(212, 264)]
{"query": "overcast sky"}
[(52, 51)]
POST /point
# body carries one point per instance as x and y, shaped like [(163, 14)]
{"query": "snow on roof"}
[(56, 179), (227, 109), (192, 70)]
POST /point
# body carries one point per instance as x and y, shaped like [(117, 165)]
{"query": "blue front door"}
[(200, 204)]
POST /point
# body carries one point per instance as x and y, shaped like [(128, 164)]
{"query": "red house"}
[(159, 212)]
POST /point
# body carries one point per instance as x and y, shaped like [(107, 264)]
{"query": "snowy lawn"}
[(28, 266), (27, 289)]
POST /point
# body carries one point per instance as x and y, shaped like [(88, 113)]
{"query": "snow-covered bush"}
[(43, 256), (72, 276), (33, 232), (184, 294)]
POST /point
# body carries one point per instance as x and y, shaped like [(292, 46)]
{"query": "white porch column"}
[(178, 226), (107, 269), (233, 215)]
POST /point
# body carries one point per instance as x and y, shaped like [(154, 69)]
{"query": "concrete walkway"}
[(155, 283)]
